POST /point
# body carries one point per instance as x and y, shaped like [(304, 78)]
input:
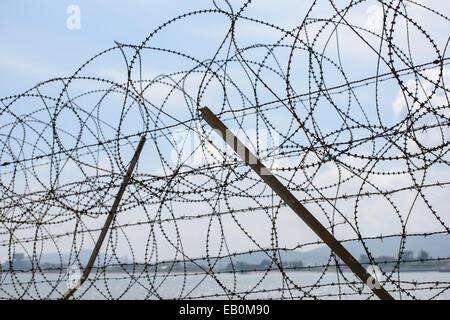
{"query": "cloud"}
[(424, 86)]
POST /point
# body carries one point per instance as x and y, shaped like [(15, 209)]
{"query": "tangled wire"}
[(353, 117)]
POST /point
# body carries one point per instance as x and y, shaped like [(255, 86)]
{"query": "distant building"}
[(408, 255), (18, 262), (18, 257), (385, 259), (423, 255), (364, 259)]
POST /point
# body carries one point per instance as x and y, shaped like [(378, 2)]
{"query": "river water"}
[(255, 285)]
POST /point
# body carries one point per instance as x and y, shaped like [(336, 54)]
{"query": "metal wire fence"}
[(195, 222)]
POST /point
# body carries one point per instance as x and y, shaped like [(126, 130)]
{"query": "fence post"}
[(265, 174), (108, 221)]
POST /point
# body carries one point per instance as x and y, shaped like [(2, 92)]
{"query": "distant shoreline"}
[(312, 270)]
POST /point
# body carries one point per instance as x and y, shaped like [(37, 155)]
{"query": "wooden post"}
[(108, 221), (293, 203)]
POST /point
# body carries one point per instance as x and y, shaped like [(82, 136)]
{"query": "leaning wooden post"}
[(265, 174), (108, 221)]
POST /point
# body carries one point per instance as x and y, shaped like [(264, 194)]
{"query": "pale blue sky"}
[(37, 45)]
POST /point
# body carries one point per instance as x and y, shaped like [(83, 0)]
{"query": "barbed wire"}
[(364, 147)]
